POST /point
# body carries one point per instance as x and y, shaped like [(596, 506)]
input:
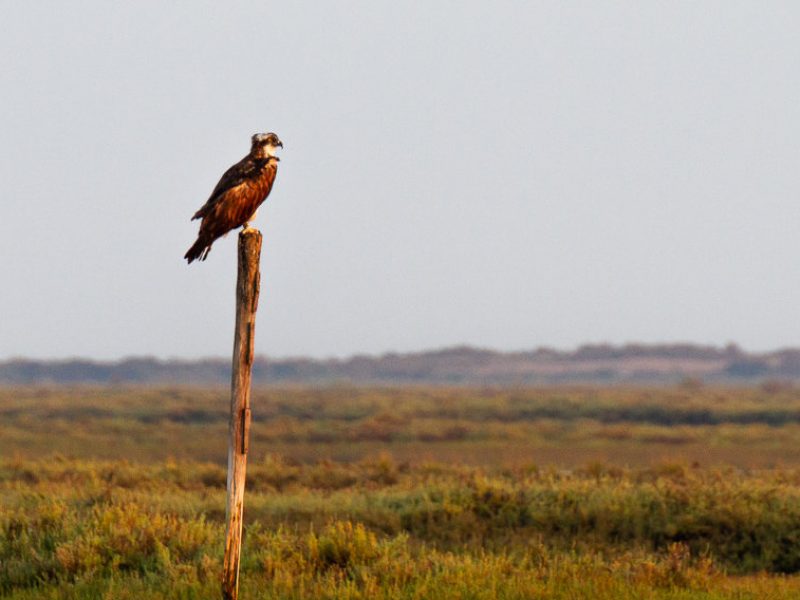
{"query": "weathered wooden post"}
[(247, 288)]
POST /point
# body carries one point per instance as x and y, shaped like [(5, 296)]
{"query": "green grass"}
[(566, 427), (404, 493)]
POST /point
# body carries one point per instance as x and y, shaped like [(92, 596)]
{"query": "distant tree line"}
[(461, 365)]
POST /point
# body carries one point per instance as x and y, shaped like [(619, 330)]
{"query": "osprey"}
[(239, 193)]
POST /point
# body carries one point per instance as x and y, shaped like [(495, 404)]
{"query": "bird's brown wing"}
[(239, 193), (235, 205), (242, 172)]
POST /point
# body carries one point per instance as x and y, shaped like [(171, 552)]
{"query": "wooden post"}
[(247, 288)]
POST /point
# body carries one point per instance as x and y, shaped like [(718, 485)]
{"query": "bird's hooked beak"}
[(280, 143)]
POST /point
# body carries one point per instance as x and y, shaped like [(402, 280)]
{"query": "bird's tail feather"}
[(199, 250)]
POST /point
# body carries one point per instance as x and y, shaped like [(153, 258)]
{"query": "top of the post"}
[(250, 245), (250, 231), (250, 235)]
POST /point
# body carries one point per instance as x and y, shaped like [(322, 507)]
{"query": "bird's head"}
[(265, 144)]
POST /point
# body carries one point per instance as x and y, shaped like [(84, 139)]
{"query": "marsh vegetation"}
[(684, 492)]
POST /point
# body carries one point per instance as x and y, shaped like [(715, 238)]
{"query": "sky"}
[(507, 175)]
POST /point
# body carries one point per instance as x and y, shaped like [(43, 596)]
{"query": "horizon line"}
[(728, 346)]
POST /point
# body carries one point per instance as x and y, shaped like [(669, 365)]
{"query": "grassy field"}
[(688, 492)]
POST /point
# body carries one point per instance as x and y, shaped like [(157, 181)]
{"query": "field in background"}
[(563, 427), (416, 492)]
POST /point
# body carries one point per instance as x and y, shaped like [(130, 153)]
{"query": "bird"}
[(237, 196)]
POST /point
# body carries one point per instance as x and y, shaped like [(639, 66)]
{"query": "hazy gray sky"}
[(503, 174)]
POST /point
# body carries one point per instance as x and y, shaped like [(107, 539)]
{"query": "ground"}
[(685, 492)]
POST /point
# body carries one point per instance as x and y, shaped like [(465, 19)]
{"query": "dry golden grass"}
[(405, 493)]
